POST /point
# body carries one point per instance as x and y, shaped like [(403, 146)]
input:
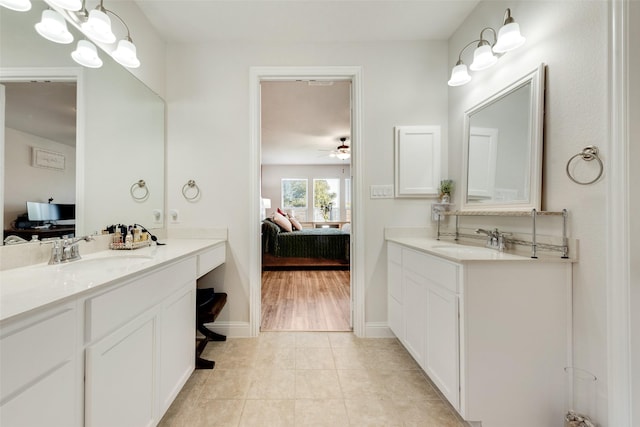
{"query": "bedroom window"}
[(294, 197), (326, 199)]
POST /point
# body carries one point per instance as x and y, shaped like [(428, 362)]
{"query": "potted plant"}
[(446, 188)]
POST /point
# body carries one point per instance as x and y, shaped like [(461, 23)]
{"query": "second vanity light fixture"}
[(96, 24), (507, 39)]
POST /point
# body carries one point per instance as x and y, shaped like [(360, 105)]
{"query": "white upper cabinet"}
[(417, 161)]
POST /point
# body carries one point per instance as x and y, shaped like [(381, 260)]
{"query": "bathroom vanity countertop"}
[(466, 253), (25, 289)]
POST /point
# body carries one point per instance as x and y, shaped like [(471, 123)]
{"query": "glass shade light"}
[(86, 54), (125, 54), (459, 75), (53, 27), (483, 58), (17, 5), (509, 38), (72, 5), (98, 27)]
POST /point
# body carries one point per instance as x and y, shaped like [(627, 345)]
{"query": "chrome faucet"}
[(66, 249), (495, 239)]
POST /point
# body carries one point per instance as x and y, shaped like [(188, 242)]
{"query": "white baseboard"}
[(377, 330), (231, 329), (242, 329)]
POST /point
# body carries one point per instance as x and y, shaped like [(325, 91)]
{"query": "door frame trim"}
[(353, 73)]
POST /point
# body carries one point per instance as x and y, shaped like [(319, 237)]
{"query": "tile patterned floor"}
[(309, 379)]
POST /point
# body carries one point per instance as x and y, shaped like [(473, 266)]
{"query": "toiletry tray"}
[(130, 245)]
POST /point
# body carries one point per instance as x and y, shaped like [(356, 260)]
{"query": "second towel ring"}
[(191, 184), (588, 153), (137, 185)]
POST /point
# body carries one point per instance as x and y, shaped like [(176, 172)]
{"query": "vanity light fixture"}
[(508, 38), (53, 27), (17, 5), (96, 25), (86, 54)]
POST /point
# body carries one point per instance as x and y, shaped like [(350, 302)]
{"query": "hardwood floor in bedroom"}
[(305, 300)]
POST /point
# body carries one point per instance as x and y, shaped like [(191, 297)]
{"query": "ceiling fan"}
[(343, 152)]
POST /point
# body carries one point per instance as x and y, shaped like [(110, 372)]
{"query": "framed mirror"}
[(116, 127), (502, 150)]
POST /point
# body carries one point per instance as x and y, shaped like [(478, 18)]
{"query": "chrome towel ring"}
[(143, 190), (191, 185), (587, 154)]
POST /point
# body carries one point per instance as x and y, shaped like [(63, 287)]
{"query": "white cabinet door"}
[(177, 335), (40, 378), (415, 318), (442, 348), (417, 155), (120, 372)]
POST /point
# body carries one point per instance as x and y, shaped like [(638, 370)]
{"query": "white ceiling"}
[(301, 124), (44, 109), (189, 21)]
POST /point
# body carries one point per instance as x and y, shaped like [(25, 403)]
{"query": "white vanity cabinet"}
[(429, 315), (493, 336), (41, 370), (140, 346), (91, 344)]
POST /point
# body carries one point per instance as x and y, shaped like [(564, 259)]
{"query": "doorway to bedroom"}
[(305, 176)]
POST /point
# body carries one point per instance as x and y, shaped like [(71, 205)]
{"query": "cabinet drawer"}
[(394, 253), (210, 259), (32, 350), (114, 308), (436, 270)]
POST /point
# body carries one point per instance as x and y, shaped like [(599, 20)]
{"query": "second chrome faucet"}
[(495, 238)]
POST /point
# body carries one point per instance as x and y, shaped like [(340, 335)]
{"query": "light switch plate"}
[(382, 191)]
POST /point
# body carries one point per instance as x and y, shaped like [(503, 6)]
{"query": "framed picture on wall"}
[(47, 159)]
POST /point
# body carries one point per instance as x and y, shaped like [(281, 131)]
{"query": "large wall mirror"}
[(502, 152), (104, 133)]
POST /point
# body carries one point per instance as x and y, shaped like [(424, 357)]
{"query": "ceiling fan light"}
[(343, 155), (483, 58), (86, 54), (53, 27), (459, 75), (17, 5), (98, 27), (72, 5), (126, 55), (509, 38)]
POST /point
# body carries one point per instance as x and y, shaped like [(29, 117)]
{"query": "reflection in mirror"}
[(40, 150), (120, 131), (503, 148)]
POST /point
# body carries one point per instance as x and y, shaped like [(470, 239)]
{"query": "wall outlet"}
[(157, 216), (381, 191), (174, 215)]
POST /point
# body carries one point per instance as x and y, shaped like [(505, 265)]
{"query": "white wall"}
[(571, 38), (24, 182), (272, 176), (404, 83), (634, 207)]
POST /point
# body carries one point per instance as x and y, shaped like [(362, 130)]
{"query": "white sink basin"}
[(115, 262), (458, 250)]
